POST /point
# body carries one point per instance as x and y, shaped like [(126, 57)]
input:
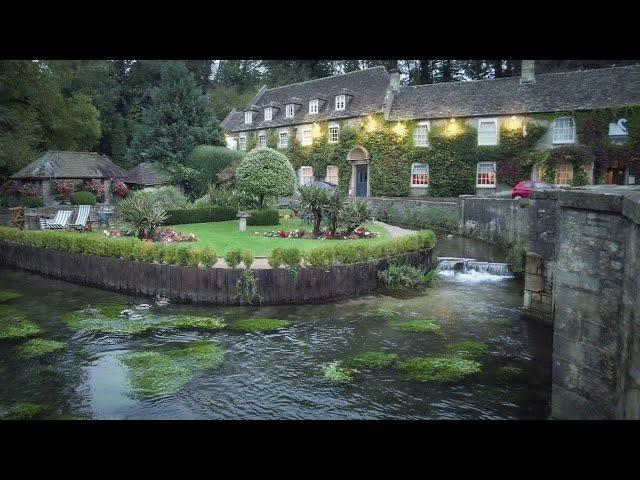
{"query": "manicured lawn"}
[(225, 236)]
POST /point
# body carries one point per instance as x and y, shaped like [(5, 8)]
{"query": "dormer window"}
[(268, 114), (248, 117), (313, 107), (341, 102), (289, 110)]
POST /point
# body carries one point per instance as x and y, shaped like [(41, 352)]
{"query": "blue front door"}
[(362, 172)]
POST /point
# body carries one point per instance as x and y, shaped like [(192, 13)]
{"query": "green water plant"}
[(183, 322), (404, 276), (438, 369), (7, 295), (259, 324), (415, 325), (14, 325), (336, 372), (508, 373), (39, 347), (379, 313), (467, 349), (373, 360), (26, 411), (161, 373)]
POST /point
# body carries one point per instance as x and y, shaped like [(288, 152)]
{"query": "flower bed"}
[(160, 234), (358, 233)]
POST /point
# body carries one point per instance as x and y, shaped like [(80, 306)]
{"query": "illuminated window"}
[(305, 136), (341, 101), (306, 175), (289, 110), (262, 140), (488, 132), (538, 173), (283, 139), (564, 174), (421, 135), (268, 114), (332, 174), (248, 117), (334, 134), (313, 107), (242, 143), (564, 130), (419, 175), (486, 175)]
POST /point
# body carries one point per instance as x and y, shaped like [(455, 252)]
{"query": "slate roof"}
[(552, 92), (367, 89), (144, 174), (59, 164)]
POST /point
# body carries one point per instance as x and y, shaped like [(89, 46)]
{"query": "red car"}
[(523, 189)]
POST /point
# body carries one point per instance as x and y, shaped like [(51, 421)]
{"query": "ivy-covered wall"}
[(453, 152)]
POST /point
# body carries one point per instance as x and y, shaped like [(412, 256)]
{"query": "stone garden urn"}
[(243, 220)]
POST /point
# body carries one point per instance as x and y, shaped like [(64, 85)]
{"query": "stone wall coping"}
[(601, 198)]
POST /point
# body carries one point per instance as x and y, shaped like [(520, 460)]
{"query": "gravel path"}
[(261, 262), (395, 231)]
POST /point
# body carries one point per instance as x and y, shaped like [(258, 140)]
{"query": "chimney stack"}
[(394, 73), (527, 74)]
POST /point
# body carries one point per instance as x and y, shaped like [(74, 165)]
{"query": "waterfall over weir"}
[(471, 270)]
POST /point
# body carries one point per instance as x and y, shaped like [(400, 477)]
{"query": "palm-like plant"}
[(313, 198), (333, 207), (355, 213), (139, 216)]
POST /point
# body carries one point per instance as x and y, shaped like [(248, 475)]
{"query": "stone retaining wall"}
[(501, 221), (588, 241), (206, 285)]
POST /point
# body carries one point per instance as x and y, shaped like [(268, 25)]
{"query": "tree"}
[(265, 173), (315, 199), (177, 119)]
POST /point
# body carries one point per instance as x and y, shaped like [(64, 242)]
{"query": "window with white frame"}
[(486, 175), (421, 135), (268, 114), (564, 174), (564, 130), (307, 136), (488, 131), (289, 110), (283, 139), (306, 175), (341, 102), (242, 143), (334, 133), (332, 174), (262, 140), (313, 107), (419, 175), (248, 117), (538, 173)]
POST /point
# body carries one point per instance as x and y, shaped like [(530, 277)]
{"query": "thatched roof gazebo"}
[(145, 175)]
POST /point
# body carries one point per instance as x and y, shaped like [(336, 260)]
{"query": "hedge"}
[(343, 252), (83, 198), (209, 160), (31, 202), (263, 217), (200, 215)]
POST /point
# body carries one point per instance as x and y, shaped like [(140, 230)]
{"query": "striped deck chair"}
[(80, 222), (61, 219)]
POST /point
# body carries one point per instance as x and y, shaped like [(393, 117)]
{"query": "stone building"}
[(304, 109), (145, 175), (77, 167)]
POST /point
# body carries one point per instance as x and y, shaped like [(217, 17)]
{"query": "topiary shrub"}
[(263, 217), (233, 258), (83, 198), (209, 161), (199, 215), (275, 258), (265, 173), (247, 258)]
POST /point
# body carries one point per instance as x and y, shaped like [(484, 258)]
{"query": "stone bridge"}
[(582, 276)]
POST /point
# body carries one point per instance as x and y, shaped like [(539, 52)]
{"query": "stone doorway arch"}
[(358, 158)]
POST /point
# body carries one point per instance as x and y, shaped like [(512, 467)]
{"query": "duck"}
[(127, 313), (161, 301), (143, 306), (89, 311)]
